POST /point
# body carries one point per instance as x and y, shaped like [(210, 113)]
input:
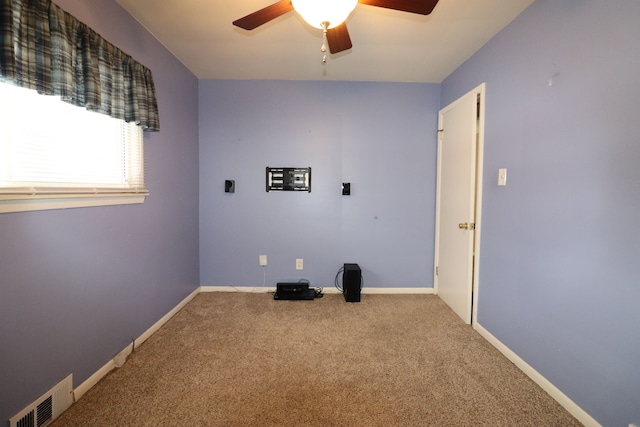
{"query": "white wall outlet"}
[(502, 177), (263, 260), (299, 264)]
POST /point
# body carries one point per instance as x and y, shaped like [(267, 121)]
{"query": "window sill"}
[(39, 203)]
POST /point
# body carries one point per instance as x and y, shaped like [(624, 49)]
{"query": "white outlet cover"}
[(502, 177), (263, 260), (299, 264)]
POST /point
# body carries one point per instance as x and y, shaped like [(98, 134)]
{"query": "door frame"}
[(480, 92)]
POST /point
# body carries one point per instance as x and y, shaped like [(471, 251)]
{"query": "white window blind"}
[(49, 147)]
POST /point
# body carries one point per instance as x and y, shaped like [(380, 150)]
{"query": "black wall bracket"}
[(289, 179)]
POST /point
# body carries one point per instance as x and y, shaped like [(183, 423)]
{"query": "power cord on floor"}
[(318, 293)]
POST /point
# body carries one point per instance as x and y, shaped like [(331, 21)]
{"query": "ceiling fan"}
[(330, 16)]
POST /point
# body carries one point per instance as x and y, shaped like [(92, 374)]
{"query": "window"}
[(56, 155)]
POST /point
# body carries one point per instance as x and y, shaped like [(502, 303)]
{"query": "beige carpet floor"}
[(243, 359)]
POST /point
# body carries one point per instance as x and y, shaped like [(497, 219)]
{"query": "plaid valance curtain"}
[(42, 47)]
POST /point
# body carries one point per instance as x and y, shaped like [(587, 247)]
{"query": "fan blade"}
[(422, 7), (338, 38), (264, 15)]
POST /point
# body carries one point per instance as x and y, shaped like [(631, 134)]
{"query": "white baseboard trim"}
[(568, 404), (120, 358), (387, 291), (246, 289), (330, 290), (398, 291), (79, 391), (142, 338)]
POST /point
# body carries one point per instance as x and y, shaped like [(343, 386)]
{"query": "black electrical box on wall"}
[(351, 282), (289, 179)]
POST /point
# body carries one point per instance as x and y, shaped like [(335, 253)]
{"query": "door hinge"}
[(437, 270)]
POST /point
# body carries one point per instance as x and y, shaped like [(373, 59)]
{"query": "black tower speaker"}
[(351, 282)]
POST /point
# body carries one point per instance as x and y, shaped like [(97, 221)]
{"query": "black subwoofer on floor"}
[(351, 282)]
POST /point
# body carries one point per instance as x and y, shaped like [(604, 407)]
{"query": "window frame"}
[(23, 198), (42, 202)]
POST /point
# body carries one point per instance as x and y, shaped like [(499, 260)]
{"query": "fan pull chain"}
[(325, 24)]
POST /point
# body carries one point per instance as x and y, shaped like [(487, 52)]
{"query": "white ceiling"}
[(388, 45)]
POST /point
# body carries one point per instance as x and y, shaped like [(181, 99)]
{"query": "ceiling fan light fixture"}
[(317, 12)]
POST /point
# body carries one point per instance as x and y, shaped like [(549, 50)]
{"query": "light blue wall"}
[(381, 137), (77, 285), (559, 271)]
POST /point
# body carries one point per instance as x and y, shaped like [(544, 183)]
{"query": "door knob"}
[(467, 226)]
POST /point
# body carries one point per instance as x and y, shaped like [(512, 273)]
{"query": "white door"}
[(457, 201)]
